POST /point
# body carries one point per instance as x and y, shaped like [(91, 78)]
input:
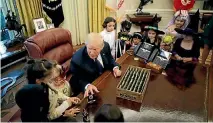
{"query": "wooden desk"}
[(143, 20), (162, 102)]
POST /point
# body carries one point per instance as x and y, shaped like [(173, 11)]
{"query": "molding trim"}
[(132, 11)]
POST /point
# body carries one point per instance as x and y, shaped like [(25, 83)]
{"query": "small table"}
[(162, 101), (143, 20)]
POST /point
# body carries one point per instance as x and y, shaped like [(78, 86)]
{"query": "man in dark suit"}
[(89, 62)]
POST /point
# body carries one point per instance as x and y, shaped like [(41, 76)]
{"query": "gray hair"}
[(95, 38)]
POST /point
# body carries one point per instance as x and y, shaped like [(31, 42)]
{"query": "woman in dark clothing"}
[(186, 52)]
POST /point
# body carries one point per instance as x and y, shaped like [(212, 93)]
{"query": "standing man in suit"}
[(89, 62)]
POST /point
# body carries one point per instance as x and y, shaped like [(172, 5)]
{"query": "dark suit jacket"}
[(83, 68)]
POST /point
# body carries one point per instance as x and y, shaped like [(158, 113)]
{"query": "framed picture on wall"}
[(39, 24), (50, 26)]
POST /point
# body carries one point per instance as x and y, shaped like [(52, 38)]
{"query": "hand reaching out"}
[(117, 72), (90, 89), (71, 112), (73, 100)]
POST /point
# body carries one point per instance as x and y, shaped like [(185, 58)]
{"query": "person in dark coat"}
[(89, 62)]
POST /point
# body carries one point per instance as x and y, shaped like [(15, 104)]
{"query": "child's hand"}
[(71, 112), (74, 100)]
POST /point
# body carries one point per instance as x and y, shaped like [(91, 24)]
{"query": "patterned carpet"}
[(8, 104)]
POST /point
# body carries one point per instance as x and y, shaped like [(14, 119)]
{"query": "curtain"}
[(28, 10), (76, 19), (97, 12), (5, 6)]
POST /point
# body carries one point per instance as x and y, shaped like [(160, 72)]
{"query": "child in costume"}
[(108, 33), (136, 39), (152, 36), (186, 52), (124, 38), (180, 20), (167, 43), (39, 100)]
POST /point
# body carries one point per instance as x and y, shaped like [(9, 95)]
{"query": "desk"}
[(162, 102)]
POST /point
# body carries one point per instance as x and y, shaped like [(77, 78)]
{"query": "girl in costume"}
[(108, 33), (152, 35), (180, 20), (124, 38), (39, 100), (136, 39), (186, 52)]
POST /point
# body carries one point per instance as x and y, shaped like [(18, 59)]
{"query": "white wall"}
[(163, 7)]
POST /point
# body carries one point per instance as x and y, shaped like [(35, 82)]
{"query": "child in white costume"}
[(108, 33)]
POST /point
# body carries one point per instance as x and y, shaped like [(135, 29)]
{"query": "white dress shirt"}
[(99, 58), (109, 37)]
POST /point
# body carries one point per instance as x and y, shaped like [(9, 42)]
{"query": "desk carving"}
[(133, 84)]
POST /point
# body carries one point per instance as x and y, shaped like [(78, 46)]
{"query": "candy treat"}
[(131, 80), (142, 82), (133, 84), (91, 99), (138, 80), (128, 79), (135, 80), (123, 80), (85, 116)]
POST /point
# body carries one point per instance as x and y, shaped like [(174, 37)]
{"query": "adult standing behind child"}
[(108, 33)]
